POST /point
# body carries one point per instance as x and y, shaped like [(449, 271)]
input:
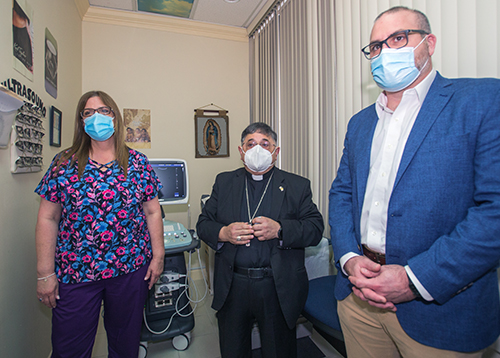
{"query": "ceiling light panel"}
[(237, 14), (115, 4)]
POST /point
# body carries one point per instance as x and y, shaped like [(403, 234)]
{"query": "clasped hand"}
[(381, 286), (240, 233)]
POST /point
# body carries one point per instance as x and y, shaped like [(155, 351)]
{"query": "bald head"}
[(421, 19)]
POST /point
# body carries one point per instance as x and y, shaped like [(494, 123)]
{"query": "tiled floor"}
[(204, 336)]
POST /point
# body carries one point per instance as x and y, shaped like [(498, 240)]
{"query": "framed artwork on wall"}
[(137, 128), (55, 127), (211, 133)]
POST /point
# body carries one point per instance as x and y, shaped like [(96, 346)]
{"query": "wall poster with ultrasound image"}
[(22, 37), (50, 64)]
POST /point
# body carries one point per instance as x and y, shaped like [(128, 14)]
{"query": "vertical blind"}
[(308, 76), (298, 87)]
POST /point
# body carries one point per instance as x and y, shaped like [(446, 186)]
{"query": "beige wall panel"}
[(26, 324), (171, 74)]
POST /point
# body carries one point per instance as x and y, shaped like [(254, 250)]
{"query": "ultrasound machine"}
[(168, 312)]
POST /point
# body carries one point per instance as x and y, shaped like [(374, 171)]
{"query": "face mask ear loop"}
[(426, 62), (420, 42), (241, 146)]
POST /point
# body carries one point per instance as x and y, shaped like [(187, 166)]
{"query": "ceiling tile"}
[(221, 12), (239, 14), (115, 4)]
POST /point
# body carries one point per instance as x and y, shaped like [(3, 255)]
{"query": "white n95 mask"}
[(258, 159)]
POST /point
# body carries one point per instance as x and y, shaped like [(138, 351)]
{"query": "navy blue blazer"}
[(444, 212), (301, 223)]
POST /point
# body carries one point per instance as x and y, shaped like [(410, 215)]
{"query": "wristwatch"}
[(413, 288)]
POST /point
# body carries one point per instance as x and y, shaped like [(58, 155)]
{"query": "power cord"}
[(172, 286)]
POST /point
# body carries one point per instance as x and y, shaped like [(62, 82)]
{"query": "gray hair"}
[(259, 127)]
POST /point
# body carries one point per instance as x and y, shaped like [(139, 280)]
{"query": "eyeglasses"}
[(23, 132), (37, 135), (29, 120), (24, 146), (29, 109), (29, 161), (264, 144), (396, 40), (28, 133), (87, 112)]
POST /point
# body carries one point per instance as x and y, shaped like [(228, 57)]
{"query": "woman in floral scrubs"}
[(99, 234)]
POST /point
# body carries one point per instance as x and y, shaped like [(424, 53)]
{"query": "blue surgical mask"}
[(394, 69), (99, 127)]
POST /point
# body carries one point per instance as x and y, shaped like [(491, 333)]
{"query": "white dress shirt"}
[(389, 140)]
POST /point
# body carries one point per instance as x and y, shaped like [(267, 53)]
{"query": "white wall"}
[(171, 73), (25, 323)]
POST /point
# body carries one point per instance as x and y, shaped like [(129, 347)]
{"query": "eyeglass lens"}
[(105, 110), (395, 41), (398, 40), (264, 144)]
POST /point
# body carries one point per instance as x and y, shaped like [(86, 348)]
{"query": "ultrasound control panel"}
[(175, 235)]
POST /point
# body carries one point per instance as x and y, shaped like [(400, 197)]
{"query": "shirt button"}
[(389, 146), (377, 203), (383, 174), (396, 119), (374, 233)]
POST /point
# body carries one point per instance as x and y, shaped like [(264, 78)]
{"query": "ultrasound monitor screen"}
[(173, 177)]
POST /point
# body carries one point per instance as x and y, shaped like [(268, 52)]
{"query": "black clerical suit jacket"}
[(301, 223)]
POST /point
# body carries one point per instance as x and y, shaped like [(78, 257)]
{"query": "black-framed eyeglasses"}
[(37, 134), (23, 132), (87, 112), (29, 120), (25, 146), (396, 40)]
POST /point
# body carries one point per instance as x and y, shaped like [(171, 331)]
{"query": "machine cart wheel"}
[(181, 342), (143, 349)]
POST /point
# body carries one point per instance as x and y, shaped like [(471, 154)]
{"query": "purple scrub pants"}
[(76, 317)]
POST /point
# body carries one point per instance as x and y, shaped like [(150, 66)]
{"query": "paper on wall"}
[(9, 104)]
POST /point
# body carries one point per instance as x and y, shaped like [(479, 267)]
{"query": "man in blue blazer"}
[(415, 207), (258, 220)]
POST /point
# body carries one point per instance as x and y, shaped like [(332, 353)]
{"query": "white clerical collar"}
[(260, 177)]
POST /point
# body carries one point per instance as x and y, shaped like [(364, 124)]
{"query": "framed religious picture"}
[(212, 133), (55, 127)]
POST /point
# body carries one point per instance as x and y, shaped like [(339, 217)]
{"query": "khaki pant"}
[(370, 332)]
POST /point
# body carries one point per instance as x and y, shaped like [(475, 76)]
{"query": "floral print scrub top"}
[(103, 230)]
